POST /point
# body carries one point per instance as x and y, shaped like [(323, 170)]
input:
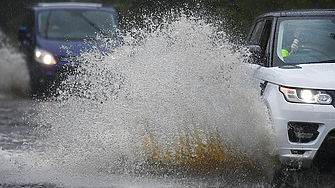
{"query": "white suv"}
[(293, 55)]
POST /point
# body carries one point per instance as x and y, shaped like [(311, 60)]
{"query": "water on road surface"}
[(172, 107)]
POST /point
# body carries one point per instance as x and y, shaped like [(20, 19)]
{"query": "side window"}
[(256, 33), (264, 41), (259, 39)]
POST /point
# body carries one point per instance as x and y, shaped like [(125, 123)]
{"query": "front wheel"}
[(289, 177)]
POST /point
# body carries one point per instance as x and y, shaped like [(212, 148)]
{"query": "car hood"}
[(66, 52), (317, 76)]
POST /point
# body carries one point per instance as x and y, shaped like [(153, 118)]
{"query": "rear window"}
[(76, 24)]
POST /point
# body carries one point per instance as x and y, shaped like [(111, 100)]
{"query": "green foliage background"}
[(237, 14)]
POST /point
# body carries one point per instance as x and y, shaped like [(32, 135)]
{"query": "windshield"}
[(306, 40), (76, 24)]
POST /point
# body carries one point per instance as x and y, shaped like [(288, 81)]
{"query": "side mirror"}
[(255, 54), (254, 48), (23, 34)]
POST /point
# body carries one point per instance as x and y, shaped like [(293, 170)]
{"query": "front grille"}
[(70, 59), (298, 152), (62, 72), (302, 132)]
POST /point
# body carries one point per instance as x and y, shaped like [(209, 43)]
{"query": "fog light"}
[(298, 152), (302, 132)]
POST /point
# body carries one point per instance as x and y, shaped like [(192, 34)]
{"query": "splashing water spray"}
[(14, 75), (175, 98)]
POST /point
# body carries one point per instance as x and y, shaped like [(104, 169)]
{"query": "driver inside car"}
[(294, 46)]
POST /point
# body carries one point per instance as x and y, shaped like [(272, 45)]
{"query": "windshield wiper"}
[(95, 26), (325, 61), (290, 66), (47, 25)]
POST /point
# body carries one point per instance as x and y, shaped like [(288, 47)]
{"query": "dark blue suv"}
[(54, 35)]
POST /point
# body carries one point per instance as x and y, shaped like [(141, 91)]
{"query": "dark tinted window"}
[(260, 37), (256, 33), (264, 40)]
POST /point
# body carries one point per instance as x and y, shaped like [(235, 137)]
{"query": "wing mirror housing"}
[(23, 34), (255, 54)]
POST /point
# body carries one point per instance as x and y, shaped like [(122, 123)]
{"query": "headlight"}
[(306, 95), (44, 57)]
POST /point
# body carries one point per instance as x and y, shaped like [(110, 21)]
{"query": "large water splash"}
[(13, 72), (171, 99), (179, 96)]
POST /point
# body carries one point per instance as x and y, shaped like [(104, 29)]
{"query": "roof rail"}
[(69, 4)]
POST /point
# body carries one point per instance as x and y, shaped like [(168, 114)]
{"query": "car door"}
[(259, 43)]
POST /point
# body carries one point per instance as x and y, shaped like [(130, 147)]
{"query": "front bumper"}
[(48, 77), (300, 128)]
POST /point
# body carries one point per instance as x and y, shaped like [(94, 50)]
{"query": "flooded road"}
[(173, 109), (24, 163), (14, 130)]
